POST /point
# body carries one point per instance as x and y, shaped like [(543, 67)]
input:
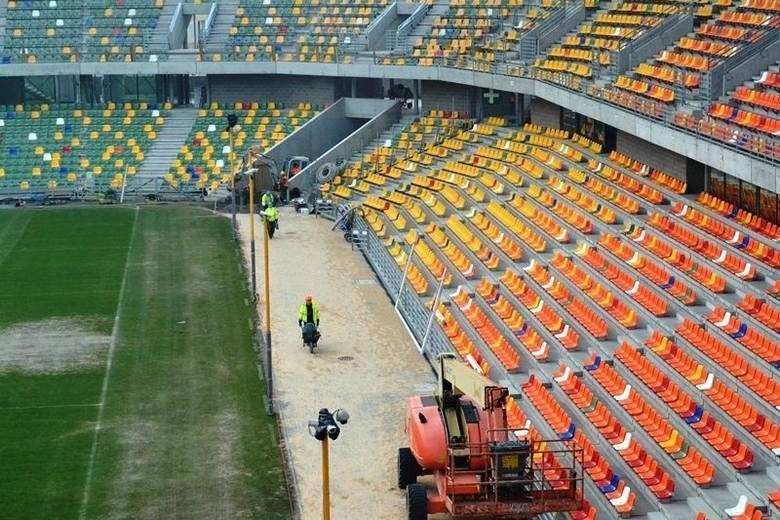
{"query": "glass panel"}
[(768, 205), (716, 183), (731, 193), (749, 197)]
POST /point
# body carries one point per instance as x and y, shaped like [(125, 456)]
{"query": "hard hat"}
[(308, 298)]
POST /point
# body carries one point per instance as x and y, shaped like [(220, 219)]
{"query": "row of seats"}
[(731, 236), (766, 99), (625, 282), (483, 253), (578, 309), (560, 208), (415, 278), (693, 413), (460, 340), (630, 450), (48, 148), (710, 250), (719, 392), (638, 188), (679, 259), (754, 222), (730, 360), (506, 311), (515, 225), (751, 337), (761, 310), (504, 242), (599, 294), (539, 218), (655, 273), (204, 160), (760, 123), (500, 347), (698, 468), (644, 170), (605, 191), (667, 75), (744, 138), (546, 315), (644, 88), (614, 488), (451, 251), (595, 208)]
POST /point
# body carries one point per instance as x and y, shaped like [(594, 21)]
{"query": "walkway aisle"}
[(357, 321)]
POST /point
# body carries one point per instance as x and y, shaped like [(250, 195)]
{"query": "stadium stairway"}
[(218, 35), (425, 26), (164, 149), (158, 43), (447, 190), (384, 137)]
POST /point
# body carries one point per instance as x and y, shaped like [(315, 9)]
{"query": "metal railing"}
[(429, 338), (209, 21), (405, 28)]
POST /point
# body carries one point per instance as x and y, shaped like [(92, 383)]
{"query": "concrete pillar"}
[(416, 89)]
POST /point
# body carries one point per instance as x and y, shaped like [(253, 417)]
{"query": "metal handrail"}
[(209, 21)]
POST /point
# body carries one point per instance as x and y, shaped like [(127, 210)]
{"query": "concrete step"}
[(169, 139), (218, 35), (159, 39)]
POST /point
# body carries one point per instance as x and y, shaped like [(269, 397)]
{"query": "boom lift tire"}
[(408, 468), (416, 502)]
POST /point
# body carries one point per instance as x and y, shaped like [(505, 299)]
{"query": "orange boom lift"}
[(481, 468)]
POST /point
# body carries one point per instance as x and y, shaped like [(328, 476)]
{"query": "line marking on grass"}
[(272, 430), (251, 325), (12, 408), (246, 302), (109, 359), (261, 376)]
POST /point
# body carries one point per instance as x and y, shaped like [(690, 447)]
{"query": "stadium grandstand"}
[(581, 194)]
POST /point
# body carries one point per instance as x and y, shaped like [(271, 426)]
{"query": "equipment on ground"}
[(294, 164), (481, 468), (310, 336), (325, 173)]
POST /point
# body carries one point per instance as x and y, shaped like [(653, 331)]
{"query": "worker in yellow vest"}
[(271, 220)]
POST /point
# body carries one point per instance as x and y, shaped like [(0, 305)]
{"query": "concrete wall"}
[(375, 34), (386, 113), (289, 90), (438, 95), (317, 135), (545, 113), (648, 153)]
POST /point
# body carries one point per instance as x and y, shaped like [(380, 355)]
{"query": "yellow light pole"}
[(232, 168), (323, 428), (269, 359), (252, 234), (325, 480), (266, 268)]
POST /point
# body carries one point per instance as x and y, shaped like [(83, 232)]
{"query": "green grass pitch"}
[(128, 379)]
